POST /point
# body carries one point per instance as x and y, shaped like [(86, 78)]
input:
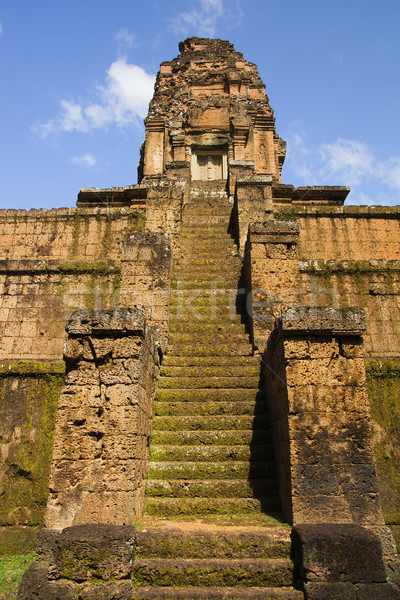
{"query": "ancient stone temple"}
[(200, 373)]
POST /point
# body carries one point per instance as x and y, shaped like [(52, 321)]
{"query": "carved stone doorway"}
[(208, 165)]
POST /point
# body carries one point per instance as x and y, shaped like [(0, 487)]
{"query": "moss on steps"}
[(208, 395), (209, 408), (209, 423), (205, 470), (214, 488), (212, 453), (194, 437), (212, 572)]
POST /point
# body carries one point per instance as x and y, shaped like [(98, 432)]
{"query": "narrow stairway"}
[(211, 489)]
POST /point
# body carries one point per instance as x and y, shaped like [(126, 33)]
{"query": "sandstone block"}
[(338, 553)]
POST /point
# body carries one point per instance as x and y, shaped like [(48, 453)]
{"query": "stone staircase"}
[(208, 530)]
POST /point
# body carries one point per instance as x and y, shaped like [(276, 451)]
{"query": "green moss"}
[(76, 232), (76, 561), (383, 380), (11, 570), (29, 395), (140, 221), (30, 368), (17, 540), (98, 267)]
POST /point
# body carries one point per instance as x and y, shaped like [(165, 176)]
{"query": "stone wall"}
[(28, 402), (271, 275), (373, 285), (53, 263), (345, 232), (66, 233)]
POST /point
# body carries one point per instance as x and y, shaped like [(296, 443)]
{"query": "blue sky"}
[(76, 77)]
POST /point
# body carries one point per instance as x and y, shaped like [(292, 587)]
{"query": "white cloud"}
[(203, 19), (1, 29), (121, 101), (87, 160), (345, 162), (125, 39)]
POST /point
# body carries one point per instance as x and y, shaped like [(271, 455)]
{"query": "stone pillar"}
[(271, 273), (315, 378), (316, 386), (253, 203), (154, 147), (103, 420), (99, 459), (237, 168), (164, 205)]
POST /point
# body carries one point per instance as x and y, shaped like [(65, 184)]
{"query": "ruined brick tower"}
[(215, 354), (210, 113)]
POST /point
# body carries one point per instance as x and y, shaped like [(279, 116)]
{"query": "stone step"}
[(162, 409), (216, 593), (196, 266), (212, 572), (205, 470), (220, 251), (175, 507), (211, 371), (211, 349), (219, 279), (201, 336), (250, 370), (229, 327), (217, 240), (212, 541), (209, 395), (225, 437), (218, 322), (212, 453), (199, 313), (211, 261), (219, 218), (228, 361), (210, 423), (212, 488), (203, 228), (184, 273), (225, 297), (204, 287), (208, 382)]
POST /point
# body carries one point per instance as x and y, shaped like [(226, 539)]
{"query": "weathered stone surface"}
[(345, 321), (36, 586), (338, 553), (103, 420), (80, 553), (330, 591)]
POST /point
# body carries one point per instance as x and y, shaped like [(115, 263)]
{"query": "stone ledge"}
[(357, 212), (321, 267), (248, 164), (31, 368), (111, 322), (317, 194), (319, 320), (274, 232), (117, 196), (253, 180), (27, 266), (62, 214)]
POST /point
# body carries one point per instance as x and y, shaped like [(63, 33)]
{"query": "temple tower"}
[(210, 112)]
